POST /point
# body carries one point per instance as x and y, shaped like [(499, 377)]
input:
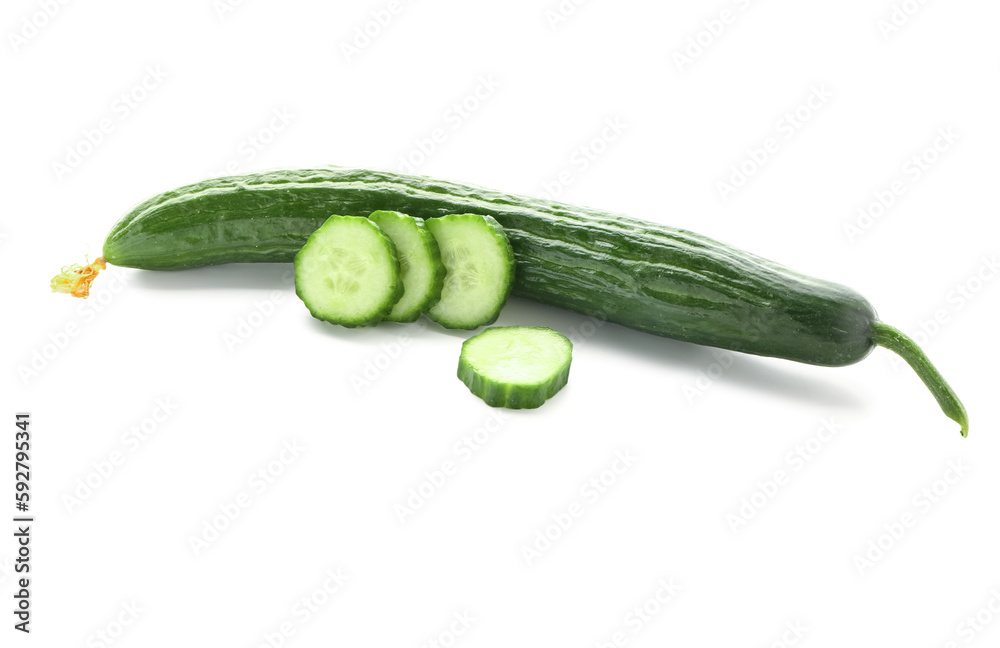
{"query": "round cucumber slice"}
[(518, 367), (420, 267), (347, 272), (480, 270)]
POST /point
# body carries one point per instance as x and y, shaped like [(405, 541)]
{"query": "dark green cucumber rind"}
[(498, 394), (504, 291), (646, 276), (434, 255), (395, 290), (896, 341)]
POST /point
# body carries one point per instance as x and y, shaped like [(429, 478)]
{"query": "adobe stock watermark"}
[(898, 17), (7, 570), (585, 331), (913, 170), (122, 107), (456, 628), (641, 615), (225, 8), (453, 119), (366, 33), (794, 462), (112, 631), (255, 143), (434, 480), (901, 526), (710, 31), (110, 284), (375, 366), (561, 12), (790, 635), (955, 301), (256, 316), (753, 323), (306, 607), (784, 130), (258, 482), (584, 156), (34, 23), (565, 519), (129, 442), (977, 622), (703, 379)]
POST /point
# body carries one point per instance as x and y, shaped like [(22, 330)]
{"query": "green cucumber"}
[(347, 272), (519, 367), (639, 274), (479, 266), (420, 267)]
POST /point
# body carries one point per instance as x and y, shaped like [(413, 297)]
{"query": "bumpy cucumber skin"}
[(431, 247), (510, 271), (642, 275), (394, 293), (499, 394)]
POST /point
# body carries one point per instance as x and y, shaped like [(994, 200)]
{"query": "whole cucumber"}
[(646, 276)]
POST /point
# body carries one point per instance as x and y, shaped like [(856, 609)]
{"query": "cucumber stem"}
[(896, 341)]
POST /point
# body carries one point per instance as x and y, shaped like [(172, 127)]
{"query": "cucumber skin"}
[(646, 276), (508, 397)]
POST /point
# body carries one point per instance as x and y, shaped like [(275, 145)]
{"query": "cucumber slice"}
[(347, 272), (420, 267), (519, 367), (480, 270)]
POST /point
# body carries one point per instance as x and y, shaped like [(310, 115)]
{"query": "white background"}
[(216, 74)]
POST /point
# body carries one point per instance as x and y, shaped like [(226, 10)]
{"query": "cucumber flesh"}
[(420, 267), (518, 367), (347, 272), (480, 270)]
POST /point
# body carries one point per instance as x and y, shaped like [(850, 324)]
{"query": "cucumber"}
[(519, 367), (479, 266), (347, 272), (420, 267), (642, 275)]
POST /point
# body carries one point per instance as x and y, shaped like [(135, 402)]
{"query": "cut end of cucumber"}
[(479, 265), (517, 367), (347, 272)]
